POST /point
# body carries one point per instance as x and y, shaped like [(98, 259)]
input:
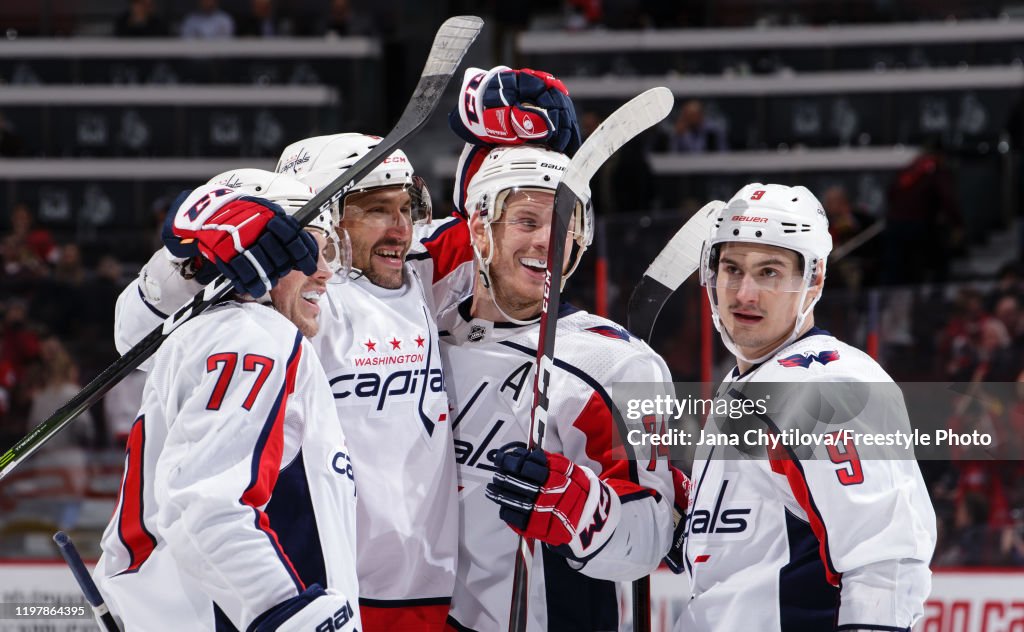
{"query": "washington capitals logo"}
[(806, 360), (610, 332)]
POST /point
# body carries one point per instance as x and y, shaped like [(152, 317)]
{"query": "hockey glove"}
[(681, 484), (314, 609), (511, 107), (251, 241), (547, 497)]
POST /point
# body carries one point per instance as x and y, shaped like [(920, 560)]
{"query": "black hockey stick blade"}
[(452, 41), (643, 111), (679, 259)]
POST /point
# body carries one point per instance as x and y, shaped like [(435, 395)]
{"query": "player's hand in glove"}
[(511, 107), (681, 484), (547, 497), (251, 241), (309, 611)]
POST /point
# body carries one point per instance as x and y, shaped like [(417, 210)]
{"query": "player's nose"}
[(748, 291)]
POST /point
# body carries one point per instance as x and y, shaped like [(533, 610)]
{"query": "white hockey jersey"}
[(238, 490), (491, 369), (380, 352), (813, 543)]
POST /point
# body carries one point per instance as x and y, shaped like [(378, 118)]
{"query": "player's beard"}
[(379, 275)]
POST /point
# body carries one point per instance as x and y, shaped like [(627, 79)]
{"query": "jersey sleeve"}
[(442, 256), (155, 294), (872, 516), (225, 443), (596, 438)]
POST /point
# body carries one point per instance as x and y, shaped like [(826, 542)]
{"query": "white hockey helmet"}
[(318, 160), (772, 215), (283, 190), (523, 167), (291, 195)]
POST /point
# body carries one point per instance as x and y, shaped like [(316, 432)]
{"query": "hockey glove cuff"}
[(512, 107), (547, 497), (681, 485), (250, 240), (311, 611)]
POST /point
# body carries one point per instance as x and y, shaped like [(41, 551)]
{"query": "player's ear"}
[(817, 283), (478, 233)]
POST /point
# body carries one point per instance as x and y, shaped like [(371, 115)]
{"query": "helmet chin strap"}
[(355, 273), (485, 274)]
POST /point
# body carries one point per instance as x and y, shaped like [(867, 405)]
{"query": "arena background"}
[(906, 119)]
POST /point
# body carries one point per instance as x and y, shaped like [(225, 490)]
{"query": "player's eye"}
[(770, 273)]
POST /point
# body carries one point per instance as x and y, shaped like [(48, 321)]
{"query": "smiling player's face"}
[(520, 242), (296, 296), (379, 223)]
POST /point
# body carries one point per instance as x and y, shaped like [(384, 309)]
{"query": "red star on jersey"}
[(370, 344), (395, 343), (419, 340)]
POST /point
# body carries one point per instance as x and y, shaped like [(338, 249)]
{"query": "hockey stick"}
[(85, 582), (640, 113), (450, 44), (674, 264)]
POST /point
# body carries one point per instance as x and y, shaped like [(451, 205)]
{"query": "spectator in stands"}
[(960, 339), (19, 346), (27, 251), (140, 20), (56, 383), (1011, 546), (69, 268), (981, 510), (845, 222), (260, 21), (1009, 282), (1007, 311), (924, 227), (10, 140), (695, 134), (583, 14), (208, 22), (63, 293), (344, 19)]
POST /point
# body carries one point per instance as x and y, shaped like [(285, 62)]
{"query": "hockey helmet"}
[(772, 215), (507, 170), (318, 160), (291, 195)]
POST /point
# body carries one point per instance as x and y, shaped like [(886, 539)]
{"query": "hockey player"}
[(818, 540), (614, 515), (237, 507), (378, 345)]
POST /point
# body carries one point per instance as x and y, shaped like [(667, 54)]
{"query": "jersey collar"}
[(813, 331)]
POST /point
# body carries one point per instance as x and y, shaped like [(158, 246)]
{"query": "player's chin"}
[(308, 327), (386, 277)]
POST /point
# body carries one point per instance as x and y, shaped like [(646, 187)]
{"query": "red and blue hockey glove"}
[(511, 107), (681, 485), (313, 609), (250, 240), (547, 497)]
